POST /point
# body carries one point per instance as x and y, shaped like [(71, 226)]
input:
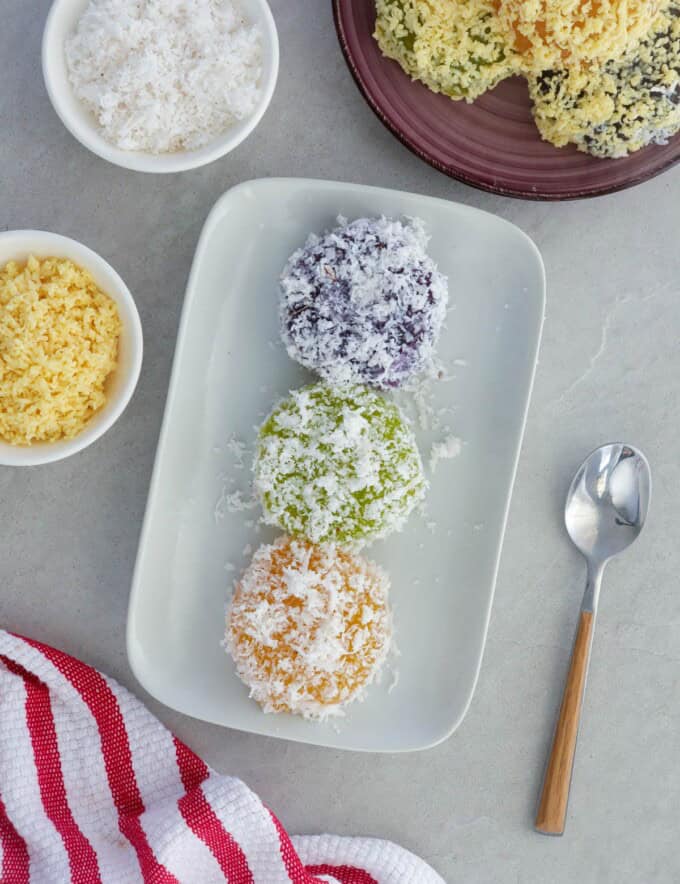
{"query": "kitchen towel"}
[(94, 789)]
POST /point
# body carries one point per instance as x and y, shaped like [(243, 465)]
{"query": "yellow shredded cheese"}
[(58, 344), (614, 110), (456, 47), (557, 33)]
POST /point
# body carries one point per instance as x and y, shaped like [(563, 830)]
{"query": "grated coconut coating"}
[(364, 303), (337, 465), (309, 627)]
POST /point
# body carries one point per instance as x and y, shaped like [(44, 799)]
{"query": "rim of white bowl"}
[(46, 243), (90, 137)]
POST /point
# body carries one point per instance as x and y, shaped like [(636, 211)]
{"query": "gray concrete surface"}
[(609, 368)]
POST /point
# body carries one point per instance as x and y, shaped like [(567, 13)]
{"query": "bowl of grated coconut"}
[(160, 86)]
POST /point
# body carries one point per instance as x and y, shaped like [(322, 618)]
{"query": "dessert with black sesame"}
[(622, 106)]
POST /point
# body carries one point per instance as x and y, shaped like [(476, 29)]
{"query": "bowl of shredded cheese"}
[(159, 86), (70, 347)]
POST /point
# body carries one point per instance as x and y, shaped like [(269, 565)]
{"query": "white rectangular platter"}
[(230, 368)]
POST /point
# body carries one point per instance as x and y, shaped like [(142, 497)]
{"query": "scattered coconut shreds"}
[(424, 397), (162, 77), (309, 627), (392, 664), (417, 397), (238, 450), (364, 303), (417, 401), (447, 449), (233, 502)]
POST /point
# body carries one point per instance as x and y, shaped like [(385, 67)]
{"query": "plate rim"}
[(137, 669), (456, 174)]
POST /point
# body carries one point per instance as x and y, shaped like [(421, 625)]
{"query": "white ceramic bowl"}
[(61, 22), (18, 245)]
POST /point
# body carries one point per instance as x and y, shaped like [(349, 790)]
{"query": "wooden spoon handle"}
[(552, 808)]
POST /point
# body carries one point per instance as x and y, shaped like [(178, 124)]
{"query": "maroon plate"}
[(492, 144)]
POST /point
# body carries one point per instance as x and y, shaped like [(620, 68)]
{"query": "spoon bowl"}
[(608, 501)]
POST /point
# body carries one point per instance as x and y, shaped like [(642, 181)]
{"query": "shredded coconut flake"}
[(418, 395), (165, 75), (238, 451), (233, 502), (444, 450)]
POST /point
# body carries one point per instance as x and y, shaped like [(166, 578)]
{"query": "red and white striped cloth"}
[(94, 789)]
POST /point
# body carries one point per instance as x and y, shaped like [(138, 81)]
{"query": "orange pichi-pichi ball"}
[(557, 33), (309, 627)]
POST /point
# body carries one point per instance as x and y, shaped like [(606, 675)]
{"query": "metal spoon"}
[(605, 511)]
